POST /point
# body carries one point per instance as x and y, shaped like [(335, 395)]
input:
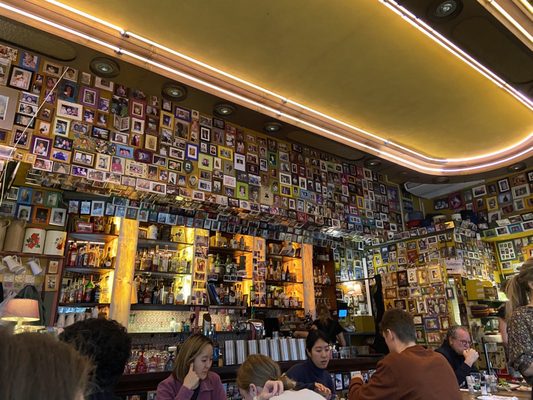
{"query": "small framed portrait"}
[(70, 110), (89, 97), (86, 78), (12, 193), (417, 319), (61, 126), (38, 197), (124, 151), (51, 69), (53, 199), (103, 162), (53, 266), (24, 212), (104, 84), (137, 109), (479, 191), (520, 191), (68, 91), (41, 215), (25, 195), (20, 78), (449, 293), (103, 104), (70, 74), (205, 134), (182, 113), (58, 216), (73, 206), (62, 143), (40, 146), (403, 280), (100, 133), (420, 335), (137, 126), (24, 120), (431, 323), (46, 112), (192, 151), (60, 168), (492, 203), (51, 282), (423, 276), (390, 293), (150, 142), (97, 208), (27, 109), (83, 158)]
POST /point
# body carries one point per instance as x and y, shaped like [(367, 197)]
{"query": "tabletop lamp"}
[(20, 311)]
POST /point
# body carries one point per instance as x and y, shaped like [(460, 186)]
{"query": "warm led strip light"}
[(266, 108), (424, 28), (510, 19)]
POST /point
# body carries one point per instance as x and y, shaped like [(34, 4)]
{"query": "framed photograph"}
[(503, 185), (103, 162), (38, 197), (20, 78), (137, 126), (51, 282), (124, 151), (24, 212), (61, 126), (69, 110), (89, 97), (420, 335), (192, 151), (137, 109), (51, 69), (434, 337), (103, 84), (520, 191), (60, 168), (67, 91), (41, 215), (41, 146), (61, 155), (150, 142), (83, 227), (97, 208), (431, 323), (53, 266), (417, 319), (83, 158), (73, 206), (58, 216), (8, 107), (71, 74), (479, 191)]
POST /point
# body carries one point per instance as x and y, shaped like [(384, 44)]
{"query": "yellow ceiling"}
[(353, 60)]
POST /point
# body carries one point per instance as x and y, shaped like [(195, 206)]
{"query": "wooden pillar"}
[(309, 287), (124, 271)]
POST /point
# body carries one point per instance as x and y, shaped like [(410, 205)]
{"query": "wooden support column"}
[(124, 271), (309, 287)]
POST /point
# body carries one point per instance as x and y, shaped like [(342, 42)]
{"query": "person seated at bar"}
[(191, 377), (108, 344), (312, 374), (37, 366), (456, 348), (409, 371), (253, 378), (331, 327)]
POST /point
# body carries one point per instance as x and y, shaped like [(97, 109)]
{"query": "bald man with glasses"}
[(459, 353)]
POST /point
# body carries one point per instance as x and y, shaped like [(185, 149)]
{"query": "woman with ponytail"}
[(257, 370), (520, 316)]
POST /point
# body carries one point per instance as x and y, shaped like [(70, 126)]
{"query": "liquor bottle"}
[(89, 287), (72, 254), (217, 265), (140, 367), (165, 256), (96, 291), (287, 274), (283, 274)]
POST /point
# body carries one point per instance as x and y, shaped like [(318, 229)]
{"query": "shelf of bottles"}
[(283, 277), (163, 266), (352, 280), (87, 277), (228, 270)]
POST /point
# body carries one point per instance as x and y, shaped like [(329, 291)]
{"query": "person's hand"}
[(271, 389), (357, 375), (471, 356), (323, 390), (191, 380)]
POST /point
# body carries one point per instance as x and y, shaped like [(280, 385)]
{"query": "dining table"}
[(502, 393)]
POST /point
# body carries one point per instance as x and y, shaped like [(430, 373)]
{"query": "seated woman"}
[(312, 374), (191, 378), (37, 366), (253, 379)]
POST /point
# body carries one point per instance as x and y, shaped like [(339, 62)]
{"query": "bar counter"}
[(137, 383)]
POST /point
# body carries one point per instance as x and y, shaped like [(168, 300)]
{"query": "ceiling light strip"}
[(430, 32), (455, 50), (494, 4), (315, 127)]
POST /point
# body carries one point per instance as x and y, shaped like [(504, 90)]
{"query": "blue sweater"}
[(306, 374)]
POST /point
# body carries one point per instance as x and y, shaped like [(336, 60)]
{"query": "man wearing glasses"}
[(456, 348)]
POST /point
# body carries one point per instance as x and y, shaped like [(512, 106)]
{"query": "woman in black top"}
[(329, 326)]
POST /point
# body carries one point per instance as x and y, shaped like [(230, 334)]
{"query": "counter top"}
[(136, 383)]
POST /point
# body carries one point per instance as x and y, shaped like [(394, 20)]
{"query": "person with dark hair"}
[(409, 371), (456, 348), (108, 344), (331, 327), (313, 374), (519, 315), (37, 366)]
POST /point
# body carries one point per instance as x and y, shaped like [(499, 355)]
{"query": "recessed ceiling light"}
[(174, 91), (441, 179), (224, 109), (516, 167), (104, 67), (372, 163), (447, 8), (272, 127)]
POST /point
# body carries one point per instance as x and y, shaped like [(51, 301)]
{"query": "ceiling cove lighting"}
[(433, 35), (400, 159), (496, 8), (498, 81)]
